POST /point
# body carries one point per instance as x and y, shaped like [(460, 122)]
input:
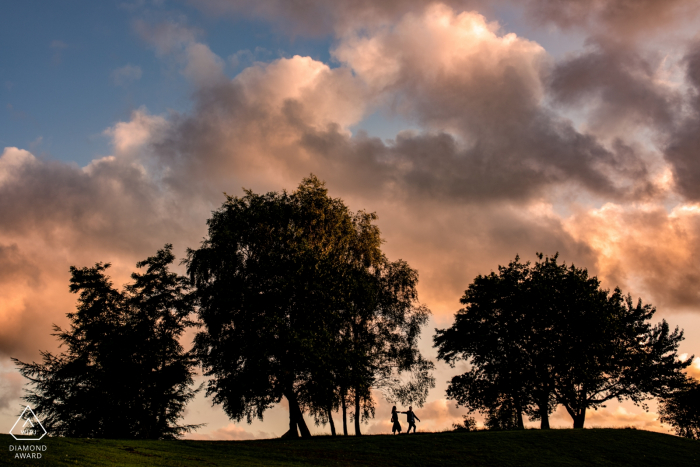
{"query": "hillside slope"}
[(600, 447)]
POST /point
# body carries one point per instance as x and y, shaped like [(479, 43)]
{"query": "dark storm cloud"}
[(683, 150), (621, 87), (517, 169), (622, 18)]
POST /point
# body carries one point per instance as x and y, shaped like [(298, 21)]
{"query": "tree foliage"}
[(547, 334), (124, 373), (298, 301), (681, 410)]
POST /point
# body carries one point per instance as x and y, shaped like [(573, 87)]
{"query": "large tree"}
[(291, 289), (547, 334), (124, 373)]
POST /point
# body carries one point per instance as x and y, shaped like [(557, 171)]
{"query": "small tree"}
[(681, 410), (468, 424), (124, 373), (489, 333)]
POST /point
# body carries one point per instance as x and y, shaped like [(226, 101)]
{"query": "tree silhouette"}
[(681, 410), (124, 373), (537, 336), (294, 294), (490, 332)]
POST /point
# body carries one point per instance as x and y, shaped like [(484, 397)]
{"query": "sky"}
[(477, 130)]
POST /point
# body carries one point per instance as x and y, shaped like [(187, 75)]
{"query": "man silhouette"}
[(411, 418)]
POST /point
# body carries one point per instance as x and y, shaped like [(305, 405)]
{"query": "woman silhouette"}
[(395, 418)]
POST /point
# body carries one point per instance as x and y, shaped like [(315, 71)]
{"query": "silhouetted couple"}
[(410, 417)]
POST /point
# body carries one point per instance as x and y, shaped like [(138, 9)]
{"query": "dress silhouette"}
[(395, 419)]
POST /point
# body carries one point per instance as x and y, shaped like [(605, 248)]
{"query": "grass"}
[(600, 447)]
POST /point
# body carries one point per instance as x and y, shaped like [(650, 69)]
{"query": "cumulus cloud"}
[(645, 249), (56, 215)]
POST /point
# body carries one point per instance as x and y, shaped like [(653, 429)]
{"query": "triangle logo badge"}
[(28, 427)]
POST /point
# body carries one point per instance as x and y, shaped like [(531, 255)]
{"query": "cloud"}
[(178, 41), (619, 17), (58, 47), (231, 432), (56, 215), (645, 249), (166, 37), (694, 369), (126, 75), (622, 18), (11, 384), (129, 137), (624, 90), (615, 416), (684, 142), (319, 17)]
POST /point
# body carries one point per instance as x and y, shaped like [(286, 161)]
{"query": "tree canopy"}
[(298, 301), (681, 410), (536, 336), (124, 373)]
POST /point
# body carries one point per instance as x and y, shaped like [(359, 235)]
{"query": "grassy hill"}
[(524, 448)]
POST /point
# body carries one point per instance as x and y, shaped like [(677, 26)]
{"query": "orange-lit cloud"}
[(614, 416), (231, 432), (645, 249)]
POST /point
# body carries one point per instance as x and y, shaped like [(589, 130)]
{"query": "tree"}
[(267, 277), (385, 321), (681, 410), (289, 285), (609, 350), (489, 334), (124, 373), (547, 334)]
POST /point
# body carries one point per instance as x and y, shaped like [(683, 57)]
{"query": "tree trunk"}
[(357, 414), (345, 413), (296, 418), (330, 421), (544, 420), (519, 415), (544, 412), (292, 432), (580, 418)]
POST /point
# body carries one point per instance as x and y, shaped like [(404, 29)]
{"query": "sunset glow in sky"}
[(475, 129)]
